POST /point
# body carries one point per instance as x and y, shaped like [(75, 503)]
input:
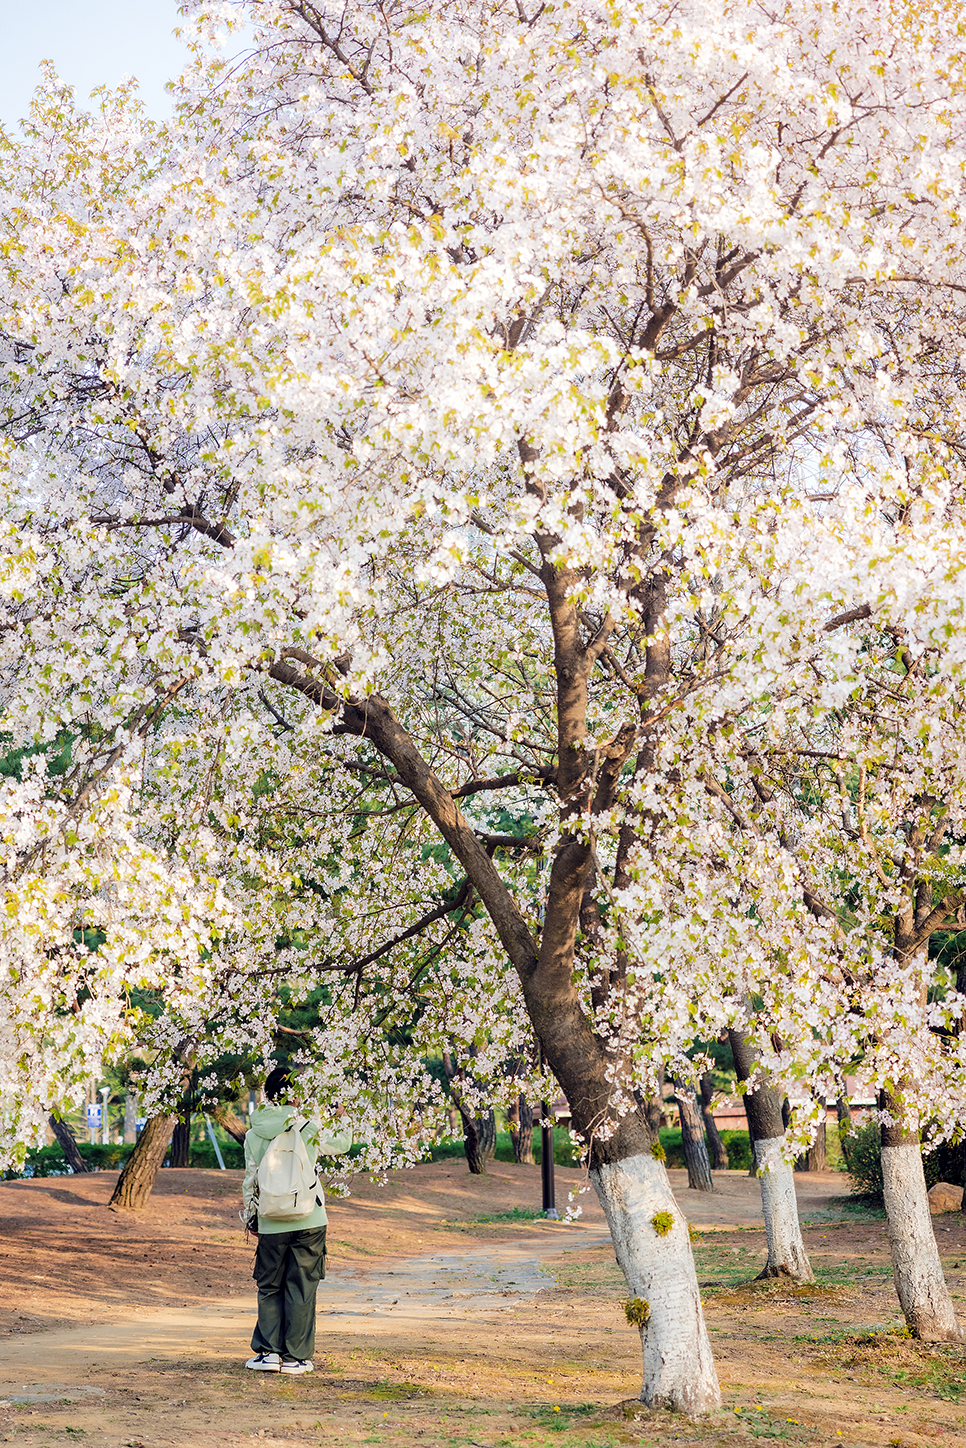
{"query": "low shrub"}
[(865, 1161), (943, 1164)]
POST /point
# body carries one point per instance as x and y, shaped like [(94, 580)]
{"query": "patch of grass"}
[(384, 1391), (515, 1214), (559, 1417)]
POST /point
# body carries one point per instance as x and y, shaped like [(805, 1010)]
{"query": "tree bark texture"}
[(520, 1123), (692, 1137), (716, 1146), (786, 1250), (654, 1252), (920, 1284), (68, 1145), (136, 1181)]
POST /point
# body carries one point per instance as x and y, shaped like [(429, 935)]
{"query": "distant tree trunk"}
[(68, 1145), (479, 1140), (130, 1118), (181, 1139), (816, 1157), (231, 1123), (520, 1122), (786, 1250), (136, 1181), (692, 1136), (719, 1152), (479, 1132), (844, 1114)]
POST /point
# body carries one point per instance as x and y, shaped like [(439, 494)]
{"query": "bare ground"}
[(447, 1319)]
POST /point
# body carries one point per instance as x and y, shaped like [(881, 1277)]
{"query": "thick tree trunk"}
[(136, 1181), (786, 1250), (816, 1158), (654, 1252), (692, 1137), (130, 1118), (719, 1152), (923, 1294), (520, 1122), (68, 1145)]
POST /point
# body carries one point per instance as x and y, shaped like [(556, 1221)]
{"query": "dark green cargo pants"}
[(288, 1269)]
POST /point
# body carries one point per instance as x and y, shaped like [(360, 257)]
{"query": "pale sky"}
[(91, 42)]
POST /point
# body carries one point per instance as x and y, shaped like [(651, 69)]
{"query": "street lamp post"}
[(105, 1134)]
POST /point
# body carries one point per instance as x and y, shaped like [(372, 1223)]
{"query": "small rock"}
[(944, 1197)]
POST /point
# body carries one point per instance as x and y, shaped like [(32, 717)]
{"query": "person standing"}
[(290, 1260)]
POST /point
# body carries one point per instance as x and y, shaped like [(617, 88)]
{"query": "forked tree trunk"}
[(923, 1294), (520, 1123), (719, 1152), (786, 1250), (68, 1145), (653, 1249), (692, 1137), (632, 1185), (136, 1181)]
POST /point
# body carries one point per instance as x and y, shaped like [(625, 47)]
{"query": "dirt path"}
[(448, 1319)]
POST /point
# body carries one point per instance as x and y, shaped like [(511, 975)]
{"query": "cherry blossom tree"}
[(516, 409)]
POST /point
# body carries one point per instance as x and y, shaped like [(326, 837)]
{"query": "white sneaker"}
[(265, 1362), (295, 1365)]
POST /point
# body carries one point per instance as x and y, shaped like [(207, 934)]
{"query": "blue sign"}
[(93, 1115)]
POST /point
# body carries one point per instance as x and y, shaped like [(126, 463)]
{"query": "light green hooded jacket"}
[(266, 1123)]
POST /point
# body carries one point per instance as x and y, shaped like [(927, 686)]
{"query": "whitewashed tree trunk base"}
[(786, 1250), (679, 1368), (923, 1294)]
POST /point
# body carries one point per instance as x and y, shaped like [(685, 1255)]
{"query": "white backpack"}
[(287, 1183)]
